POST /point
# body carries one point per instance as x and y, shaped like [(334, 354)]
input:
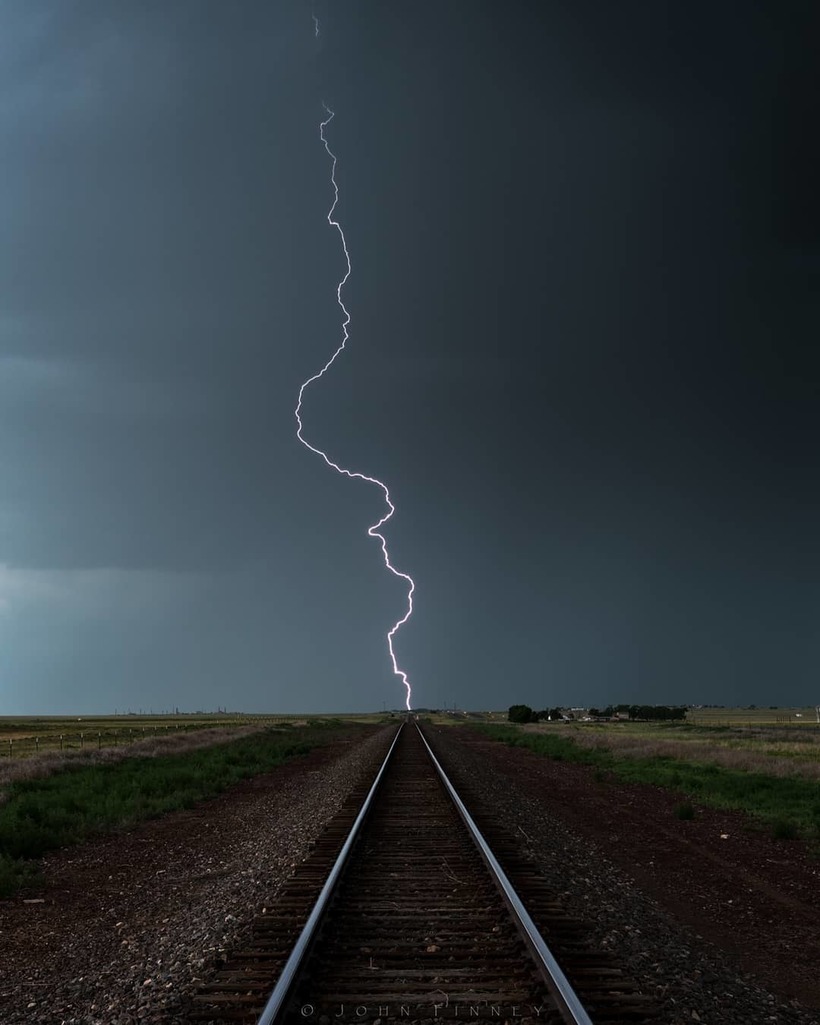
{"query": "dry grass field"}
[(753, 716), (777, 751), (24, 736), (54, 799), (35, 747), (768, 771), (39, 764)]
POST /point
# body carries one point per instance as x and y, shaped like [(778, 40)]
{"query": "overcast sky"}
[(583, 353)]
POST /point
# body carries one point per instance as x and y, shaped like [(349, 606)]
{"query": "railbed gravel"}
[(692, 979), (168, 921)]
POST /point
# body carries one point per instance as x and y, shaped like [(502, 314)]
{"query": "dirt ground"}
[(126, 925), (119, 917), (720, 874)]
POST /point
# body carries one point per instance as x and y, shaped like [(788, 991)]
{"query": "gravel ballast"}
[(609, 854), (127, 926)]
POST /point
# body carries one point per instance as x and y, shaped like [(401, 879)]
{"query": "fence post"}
[(61, 741), (37, 744), (99, 740), (82, 741)]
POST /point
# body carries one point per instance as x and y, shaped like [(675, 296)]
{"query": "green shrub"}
[(15, 874), (783, 829)]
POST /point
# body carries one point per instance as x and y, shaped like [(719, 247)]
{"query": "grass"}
[(778, 751), (787, 804), (47, 763), (782, 829), (24, 736), (795, 716), (43, 814)]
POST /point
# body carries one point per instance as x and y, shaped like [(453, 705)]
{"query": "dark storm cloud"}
[(630, 507), (150, 273), (163, 211), (584, 247)]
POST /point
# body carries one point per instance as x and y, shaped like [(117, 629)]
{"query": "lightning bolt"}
[(373, 531)]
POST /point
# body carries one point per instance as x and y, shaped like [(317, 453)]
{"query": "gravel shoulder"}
[(127, 926), (712, 916)]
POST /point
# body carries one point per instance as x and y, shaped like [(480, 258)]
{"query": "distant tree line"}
[(523, 713), (667, 712)]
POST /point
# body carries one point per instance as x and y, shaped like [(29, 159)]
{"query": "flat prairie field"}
[(753, 716), (773, 750), (21, 736), (768, 771)]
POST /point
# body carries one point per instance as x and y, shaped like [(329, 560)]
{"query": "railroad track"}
[(403, 913)]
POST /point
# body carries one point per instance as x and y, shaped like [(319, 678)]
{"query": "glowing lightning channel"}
[(374, 530)]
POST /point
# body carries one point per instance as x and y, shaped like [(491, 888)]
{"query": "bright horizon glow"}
[(372, 531)]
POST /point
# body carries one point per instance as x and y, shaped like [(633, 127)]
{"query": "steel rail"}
[(282, 988), (565, 996)]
